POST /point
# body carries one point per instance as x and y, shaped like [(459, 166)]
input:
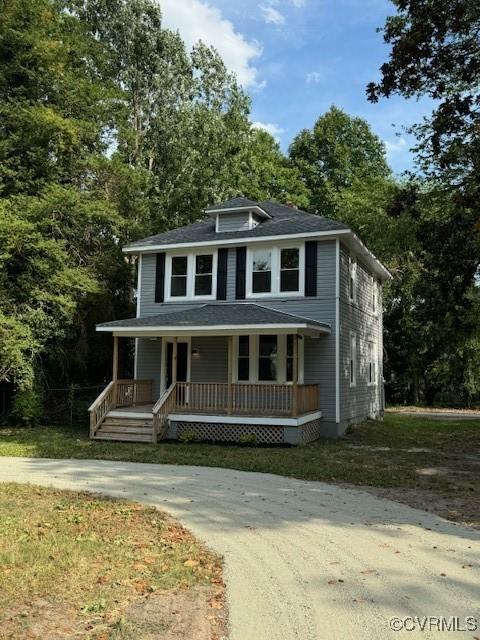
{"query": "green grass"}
[(352, 459), (71, 563)]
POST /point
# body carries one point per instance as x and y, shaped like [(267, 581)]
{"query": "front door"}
[(182, 363)]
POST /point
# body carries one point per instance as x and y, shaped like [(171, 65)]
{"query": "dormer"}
[(237, 214)]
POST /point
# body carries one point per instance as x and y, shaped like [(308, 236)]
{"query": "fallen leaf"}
[(191, 563)]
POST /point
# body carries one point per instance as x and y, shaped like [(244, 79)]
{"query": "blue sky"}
[(298, 57)]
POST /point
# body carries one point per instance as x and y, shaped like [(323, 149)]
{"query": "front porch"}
[(126, 408), (220, 371)]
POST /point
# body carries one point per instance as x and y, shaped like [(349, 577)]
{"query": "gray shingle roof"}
[(233, 203), (284, 220), (212, 315)]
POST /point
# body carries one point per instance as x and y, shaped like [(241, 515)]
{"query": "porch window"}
[(289, 269), (262, 271), (243, 366), (203, 274), (353, 359), (267, 358), (178, 287)]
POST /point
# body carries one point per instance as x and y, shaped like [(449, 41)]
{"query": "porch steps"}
[(127, 429)]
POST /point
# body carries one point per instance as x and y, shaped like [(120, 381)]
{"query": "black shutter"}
[(241, 273), (160, 278), (311, 268), (222, 274)]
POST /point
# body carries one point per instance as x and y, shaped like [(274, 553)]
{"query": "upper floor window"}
[(352, 279), (353, 359), (203, 274), (374, 295), (190, 276), (371, 364), (275, 271), (179, 276)]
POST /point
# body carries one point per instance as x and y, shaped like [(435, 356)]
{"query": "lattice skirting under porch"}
[(264, 434)]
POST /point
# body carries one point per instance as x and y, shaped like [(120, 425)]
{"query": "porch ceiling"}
[(217, 319)]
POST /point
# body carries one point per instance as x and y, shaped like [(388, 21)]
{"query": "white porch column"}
[(229, 375), (115, 359), (174, 360), (295, 375)]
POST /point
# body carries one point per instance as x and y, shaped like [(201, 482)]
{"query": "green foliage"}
[(27, 408), (189, 436), (336, 156)]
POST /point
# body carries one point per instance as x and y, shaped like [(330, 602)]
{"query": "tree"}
[(339, 154), (435, 52), (264, 173)]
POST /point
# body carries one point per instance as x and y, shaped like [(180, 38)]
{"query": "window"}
[(267, 358), (352, 281), (274, 271), (289, 269), (179, 276), (372, 364), (192, 276), (353, 359), (261, 271), (243, 366), (203, 275), (374, 295)]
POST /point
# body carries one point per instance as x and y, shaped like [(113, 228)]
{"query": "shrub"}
[(27, 408), (189, 436)]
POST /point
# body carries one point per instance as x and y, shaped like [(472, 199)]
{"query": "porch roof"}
[(216, 319)]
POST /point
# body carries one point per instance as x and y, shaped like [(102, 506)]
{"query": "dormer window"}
[(238, 214)]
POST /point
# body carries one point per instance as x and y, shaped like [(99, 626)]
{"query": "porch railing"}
[(247, 399), (119, 393), (161, 410)]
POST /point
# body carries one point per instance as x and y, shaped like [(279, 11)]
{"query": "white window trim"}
[(281, 361), (191, 258), (352, 356), (352, 274), (372, 358), (276, 271)]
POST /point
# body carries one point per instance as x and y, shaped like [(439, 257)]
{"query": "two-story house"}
[(259, 321)]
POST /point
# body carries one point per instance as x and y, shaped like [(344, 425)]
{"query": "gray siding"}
[(233, 221), (363, 400), (356, 403), (211, 365), (149, 355)]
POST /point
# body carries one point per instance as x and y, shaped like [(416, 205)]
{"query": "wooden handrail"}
[(101, 406), (161, 410)]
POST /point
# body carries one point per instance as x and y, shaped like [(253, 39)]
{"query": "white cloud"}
[(393, 148), (313, 77), (272, 16), (196, 20), (270, 127)]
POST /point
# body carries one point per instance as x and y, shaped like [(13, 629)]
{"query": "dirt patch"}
[(464, 509), (196, 614)]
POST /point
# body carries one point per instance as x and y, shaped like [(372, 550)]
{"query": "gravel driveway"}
[(303, 560)]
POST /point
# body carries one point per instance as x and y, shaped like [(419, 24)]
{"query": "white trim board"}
[(225, 329), (232, 419)]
